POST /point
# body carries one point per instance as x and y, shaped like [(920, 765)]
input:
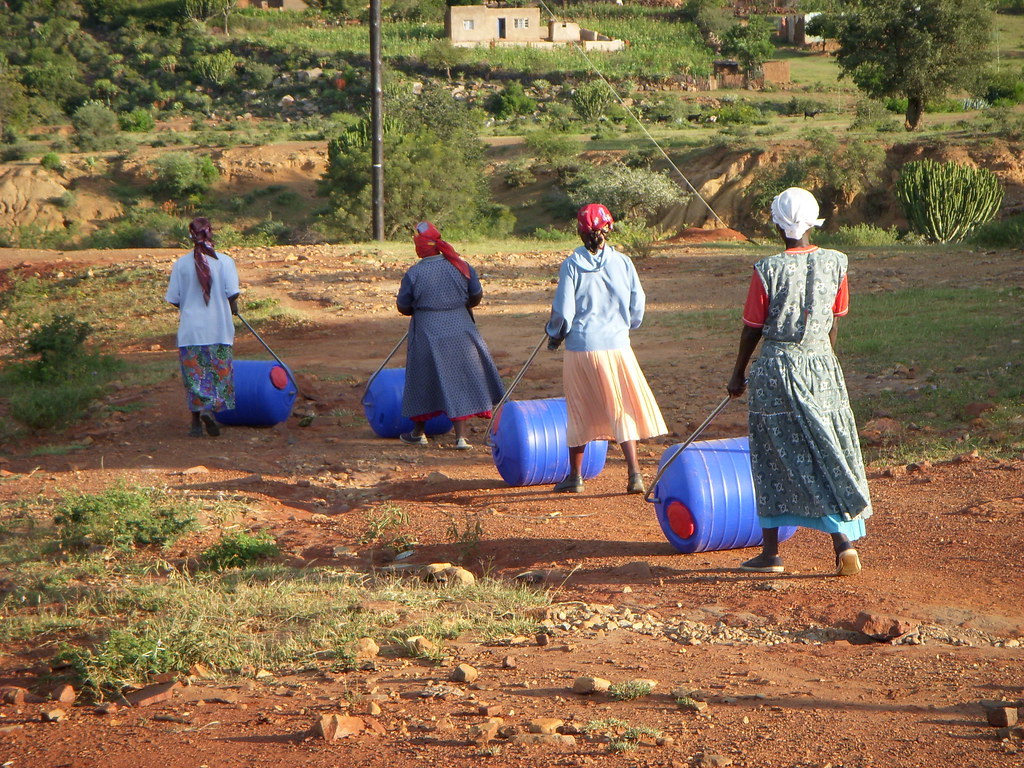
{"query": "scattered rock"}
[(883, 628), (464, 673), (54, 715), (587, 685), (106, 708), (509, 662), (485, 732), (372, 708), (548, 739), (544, 725), (545, 576), (198, 469), (334, 727), (201, 672), (489, 710), (420, 645), (692, 705), (152, 694), (1001, 717), (635, 570), (1014, 733), (65, 694), (712, 761), (434, 571), (460, 576), (12, 694), (10, 730), (542, 638), (365, 648), (435, 478)]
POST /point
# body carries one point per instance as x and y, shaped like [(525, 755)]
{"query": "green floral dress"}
[(804, 453)]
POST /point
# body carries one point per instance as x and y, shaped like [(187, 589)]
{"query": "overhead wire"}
[(639, 123)]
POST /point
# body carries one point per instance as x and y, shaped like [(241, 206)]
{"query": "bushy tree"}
[(920, 49), (750, 44), (630, 193), (511, 101), (96, 127), (592, 100), (180, 174), (215, 68), (13, 104)]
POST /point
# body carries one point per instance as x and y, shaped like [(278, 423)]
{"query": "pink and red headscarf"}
[(201, 233), (594, 218), (428, 242)]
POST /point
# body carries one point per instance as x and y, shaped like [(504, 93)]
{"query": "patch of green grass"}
[(630, 690), (965, 344), (62, 449), (122, 518), (382, 524), (240, 549)]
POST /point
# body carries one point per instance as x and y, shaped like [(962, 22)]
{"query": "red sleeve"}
[(842, 305), (755, 311)]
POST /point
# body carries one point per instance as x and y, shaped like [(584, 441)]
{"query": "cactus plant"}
[(946, 201)]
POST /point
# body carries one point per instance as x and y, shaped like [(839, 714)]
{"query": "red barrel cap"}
[(279, 377), (680, 519)]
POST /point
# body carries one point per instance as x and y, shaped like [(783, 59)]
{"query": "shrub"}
[(864, 235), (551, 147), (122, 518), (96, 127), (740, 113), (871, 115), (1003, 88), (12, 153), (136, 121), (946, 201), (628, 192), (592, 100), (240, 549), (637, 238), (517, 173), (215, 68), (511, 101), (51, 162), (180, 174), (1006, 233)]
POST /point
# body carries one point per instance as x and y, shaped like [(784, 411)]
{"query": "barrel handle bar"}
[(511, 387), (696, 433), (266, 346), (380, 368)]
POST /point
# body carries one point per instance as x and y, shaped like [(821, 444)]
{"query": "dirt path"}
[(787, 681)]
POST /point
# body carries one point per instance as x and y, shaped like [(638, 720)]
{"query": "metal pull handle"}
[(696, 433), (511, 387), (266, 346), (380, 368)]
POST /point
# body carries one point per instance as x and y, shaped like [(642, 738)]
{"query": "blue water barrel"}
[(705, 500), (529, 446), (382, 405), (264, 395)]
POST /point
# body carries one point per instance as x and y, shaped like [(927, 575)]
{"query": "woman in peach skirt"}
[(598, 302)]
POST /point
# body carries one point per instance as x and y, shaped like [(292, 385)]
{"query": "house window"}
[(520, 23), (468, 24)]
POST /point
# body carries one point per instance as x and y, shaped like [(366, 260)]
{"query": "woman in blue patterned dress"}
[(448, 367), (204, 288), (804, 453)]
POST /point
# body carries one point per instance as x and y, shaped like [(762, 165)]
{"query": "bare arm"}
[(834, 332), (749, 339)]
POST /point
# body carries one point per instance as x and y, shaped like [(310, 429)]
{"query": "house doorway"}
[(501, 29)]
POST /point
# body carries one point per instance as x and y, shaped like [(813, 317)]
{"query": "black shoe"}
[(636, 483), (196, 431), (763, 564), (570, 484), (212, 427), (412, 438)]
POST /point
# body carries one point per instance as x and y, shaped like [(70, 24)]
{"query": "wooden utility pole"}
[(377, 122)]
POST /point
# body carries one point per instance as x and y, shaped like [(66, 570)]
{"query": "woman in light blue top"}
[(597, 303)]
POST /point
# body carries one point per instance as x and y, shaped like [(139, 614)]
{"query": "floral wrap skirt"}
[(206, 371)]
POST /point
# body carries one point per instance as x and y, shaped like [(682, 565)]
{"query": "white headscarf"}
[(796, 211)]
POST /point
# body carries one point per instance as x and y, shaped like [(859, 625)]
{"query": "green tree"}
[(95, 125), (14, 104), (750, 43), (201, 10), (180, 175), (629, 193), (918, 49)]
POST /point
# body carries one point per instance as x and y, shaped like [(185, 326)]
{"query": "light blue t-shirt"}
[(597, 302), (200, 323)]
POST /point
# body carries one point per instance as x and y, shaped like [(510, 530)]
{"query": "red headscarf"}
[(429, 243), (594, 218), (201, 233)]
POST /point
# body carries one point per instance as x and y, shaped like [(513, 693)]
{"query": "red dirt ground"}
[(944, 549)]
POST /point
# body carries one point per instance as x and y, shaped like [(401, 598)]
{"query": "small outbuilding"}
[(497, 24)]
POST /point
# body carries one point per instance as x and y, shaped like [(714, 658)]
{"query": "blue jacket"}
[(597, 302)]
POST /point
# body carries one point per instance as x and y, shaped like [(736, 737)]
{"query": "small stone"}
[(509, 662), (10, 730), (420, 645), (334, 727), (12, 694), (1001, 717), (460, 576), (883, 627), (199, 469), (692, 705), (106, 708), (65, 694), (1015, 733), (544, 725), (484, 732), (201, 672), (365, 648), (712, 761), (372, 708), (152, 694), (489, 710), (435, 478), (627, 590), (587, 685), (545, 576), (664, 741), (542, 638), (464, 673), (435, 571), (54, 715), (549, 739)]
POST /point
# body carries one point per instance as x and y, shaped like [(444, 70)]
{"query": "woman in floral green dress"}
[(804, 454)]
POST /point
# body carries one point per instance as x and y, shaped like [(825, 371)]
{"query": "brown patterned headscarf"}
[(201, 233)]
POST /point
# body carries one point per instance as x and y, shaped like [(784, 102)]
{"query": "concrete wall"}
[(479, 24), (776, 71)]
